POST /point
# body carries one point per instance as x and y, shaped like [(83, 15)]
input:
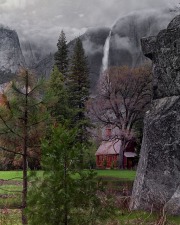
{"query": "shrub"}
[(65, 194)]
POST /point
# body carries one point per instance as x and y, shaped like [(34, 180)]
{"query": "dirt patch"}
[(10, 182)]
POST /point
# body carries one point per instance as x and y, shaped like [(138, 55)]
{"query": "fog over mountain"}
[(38, 24), (125, 43), (41, 21), (124, 37)]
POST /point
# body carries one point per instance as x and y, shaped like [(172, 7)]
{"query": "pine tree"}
[(65, 195), (61, 56), (78, 91), (57, 90), (22, 124)]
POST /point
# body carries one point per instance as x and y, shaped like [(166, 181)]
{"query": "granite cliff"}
[(11, 57), (157, 184)]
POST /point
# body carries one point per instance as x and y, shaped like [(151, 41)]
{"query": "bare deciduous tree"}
[(123, 98)]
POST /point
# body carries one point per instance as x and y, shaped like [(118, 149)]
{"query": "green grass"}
[(125, 218), (13, 217), (145, 218), (174, 219), (13, 190), (8, 175), (14, 175), (116, 174), (10, 189)]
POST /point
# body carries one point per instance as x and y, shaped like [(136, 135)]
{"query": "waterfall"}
[(105, 59)]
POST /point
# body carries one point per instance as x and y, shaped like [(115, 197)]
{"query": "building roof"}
[(109, 148)]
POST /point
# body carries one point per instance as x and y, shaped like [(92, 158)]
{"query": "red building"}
[(107, 155)]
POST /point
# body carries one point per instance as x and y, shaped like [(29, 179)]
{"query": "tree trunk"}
[(121, 158), (24, 192), (25, 184), (121, 153), (65, 189)]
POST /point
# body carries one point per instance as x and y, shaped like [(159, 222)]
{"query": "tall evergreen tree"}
[(58, 94), (61, 56), (22, 124), (65, 195), (78, 91)]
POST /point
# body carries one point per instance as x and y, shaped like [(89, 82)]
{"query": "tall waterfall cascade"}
[(105, 59)]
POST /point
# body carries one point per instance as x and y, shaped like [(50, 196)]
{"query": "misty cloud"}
[(91, 47), (121, 42), (15, 4), (125, 44), (42, 20)]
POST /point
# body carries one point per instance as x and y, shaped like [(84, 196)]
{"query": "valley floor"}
[(116, 181)]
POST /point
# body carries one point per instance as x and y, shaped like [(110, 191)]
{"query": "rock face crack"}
[(157, 183)]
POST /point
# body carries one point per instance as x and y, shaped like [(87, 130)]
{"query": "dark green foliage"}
[(61, 56), (78, 91), (89, 157), (57, 90), (71, 93), (65, 194), (18, 105), (22, 120)]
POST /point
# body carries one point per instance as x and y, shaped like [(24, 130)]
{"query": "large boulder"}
[(158, 174), (157, 184), (164, 50), (173, 205)]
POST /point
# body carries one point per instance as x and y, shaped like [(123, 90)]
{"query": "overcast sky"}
[(42, 20)]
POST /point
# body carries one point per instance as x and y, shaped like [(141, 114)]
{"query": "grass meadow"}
[(11, 189)]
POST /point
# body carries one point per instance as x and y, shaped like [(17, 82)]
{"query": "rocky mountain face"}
[(125, 44), (37, 59), (11, 57), (14, 55), (44, 67), (32, 53), (93, 42), (157, 185)]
